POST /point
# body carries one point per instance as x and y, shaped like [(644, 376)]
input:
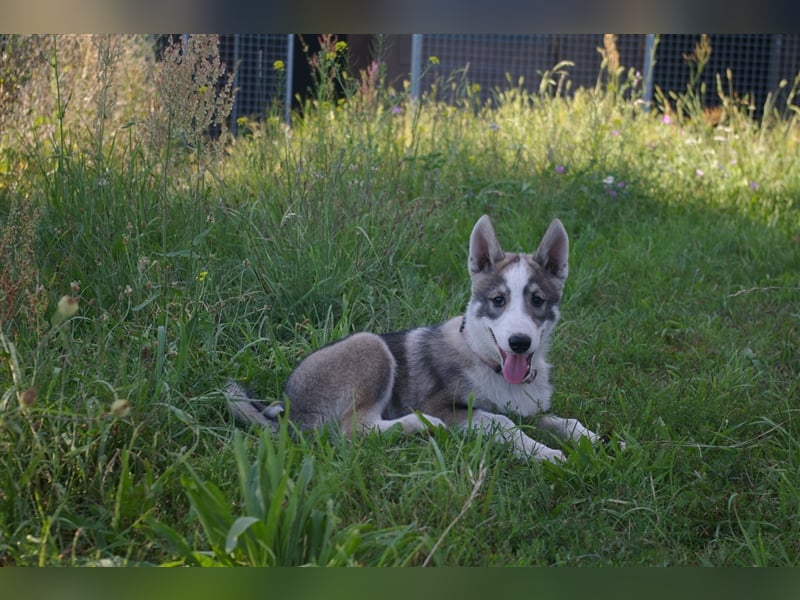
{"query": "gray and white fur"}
[(493, 356)]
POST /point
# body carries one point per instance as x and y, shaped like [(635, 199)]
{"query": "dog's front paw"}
[(433, 422), (554, 456), (428, 422)]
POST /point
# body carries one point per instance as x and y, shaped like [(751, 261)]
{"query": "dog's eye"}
[(537, 301), (499, 301)]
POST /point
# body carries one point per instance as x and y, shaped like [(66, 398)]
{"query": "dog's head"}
[(515, 297)]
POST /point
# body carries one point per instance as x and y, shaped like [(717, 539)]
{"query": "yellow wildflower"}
[(279, 65), (120, 408), (67, 307)]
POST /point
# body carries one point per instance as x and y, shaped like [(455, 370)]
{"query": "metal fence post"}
[(416, 65), (649, 60), (287, 99), (235, 85)]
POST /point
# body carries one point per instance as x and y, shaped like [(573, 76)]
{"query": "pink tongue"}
[(515, 368)]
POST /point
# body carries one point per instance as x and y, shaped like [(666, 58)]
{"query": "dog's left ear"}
[(553, 252), (484, 249)]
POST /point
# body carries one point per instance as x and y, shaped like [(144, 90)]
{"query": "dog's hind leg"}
[(348, 383)]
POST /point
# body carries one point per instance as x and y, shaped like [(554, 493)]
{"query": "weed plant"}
[(140, 269)]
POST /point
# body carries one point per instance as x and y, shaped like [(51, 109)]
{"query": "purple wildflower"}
[(560, 168)]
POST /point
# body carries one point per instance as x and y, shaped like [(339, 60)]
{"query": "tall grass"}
[(679, 331)]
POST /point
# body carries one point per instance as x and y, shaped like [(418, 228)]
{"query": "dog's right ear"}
[(484, 249)]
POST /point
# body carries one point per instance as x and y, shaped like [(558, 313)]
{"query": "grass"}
[(680, 333)]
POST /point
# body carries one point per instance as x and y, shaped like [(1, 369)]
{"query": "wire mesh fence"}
[(757, 63), (496, 61), (252, 58)]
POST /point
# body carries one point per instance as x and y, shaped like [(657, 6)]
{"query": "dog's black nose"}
[(519, 344)]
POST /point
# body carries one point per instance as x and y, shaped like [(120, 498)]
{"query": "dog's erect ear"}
[(553, 252), (484, 249)]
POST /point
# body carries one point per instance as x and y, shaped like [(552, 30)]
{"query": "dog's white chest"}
[(494, 393)]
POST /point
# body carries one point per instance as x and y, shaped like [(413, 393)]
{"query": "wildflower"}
[(75, 286), (340, 46), (67, 307), (699, 172), (120, 408), (128, 291), (608, 184), (560, 169), (494, 126), (202, 276), (279, 66), (372, 69), (397, 110), (434, 60), (28, 397), (753, 185), (142, 264), (476, 87), (666, 120), (615, 133)]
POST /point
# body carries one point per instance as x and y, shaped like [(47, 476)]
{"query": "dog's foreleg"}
[(567, 429), (504, 430), (410, 423)]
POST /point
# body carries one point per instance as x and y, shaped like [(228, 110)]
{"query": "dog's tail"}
[(247, 409)]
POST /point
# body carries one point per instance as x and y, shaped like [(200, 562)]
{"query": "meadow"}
[(143, 263)]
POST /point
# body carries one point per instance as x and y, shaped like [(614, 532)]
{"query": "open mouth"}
[(516, 368)]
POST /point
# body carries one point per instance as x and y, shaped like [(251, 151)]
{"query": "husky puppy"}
[(470, 371)]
